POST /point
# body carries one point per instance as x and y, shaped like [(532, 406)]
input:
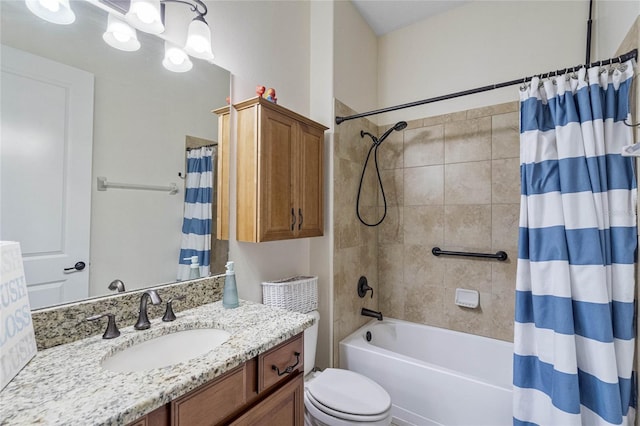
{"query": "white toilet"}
[(336, 397)]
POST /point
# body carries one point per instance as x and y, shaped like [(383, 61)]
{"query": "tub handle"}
[(290, 368)]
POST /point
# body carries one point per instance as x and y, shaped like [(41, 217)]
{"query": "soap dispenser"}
[(230, 293), (194, 271)]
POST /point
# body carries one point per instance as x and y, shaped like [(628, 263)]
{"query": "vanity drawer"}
[(212, 402), (288, 358)]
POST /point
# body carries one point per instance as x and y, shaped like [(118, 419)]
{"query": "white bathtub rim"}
[(357, 338)]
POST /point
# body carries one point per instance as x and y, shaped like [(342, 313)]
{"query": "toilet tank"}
[(310, 343)]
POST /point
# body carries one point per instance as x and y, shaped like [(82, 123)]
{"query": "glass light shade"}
[(175, 59), (145, 15), (120, 35), (55, 11), (198, 42)]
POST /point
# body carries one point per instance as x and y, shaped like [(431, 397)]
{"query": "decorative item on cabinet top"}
[(279, 182)]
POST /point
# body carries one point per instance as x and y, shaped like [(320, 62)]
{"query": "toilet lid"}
[(349, 392)]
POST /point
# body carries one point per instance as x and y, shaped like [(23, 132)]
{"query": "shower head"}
[(400, 125)]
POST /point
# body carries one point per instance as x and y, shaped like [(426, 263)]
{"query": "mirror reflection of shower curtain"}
[(196, 225)]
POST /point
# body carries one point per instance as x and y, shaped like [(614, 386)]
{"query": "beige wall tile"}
[(505, 135), (505, 227), (424, 185), (505, 178), (470, 273), (503, 274), (390, 280), (424, 146), (468, 140), (467, 183), (391, 230), (467, 227), (421, 267), (445, 118), (390, 152), (475, 321), (493, 110), (424, 225), (503, 316), (424, 304), (393, 184)]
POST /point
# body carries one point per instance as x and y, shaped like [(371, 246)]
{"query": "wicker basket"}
[(299, 293)]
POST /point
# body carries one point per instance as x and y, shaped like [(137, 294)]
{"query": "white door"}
[(46, 137)]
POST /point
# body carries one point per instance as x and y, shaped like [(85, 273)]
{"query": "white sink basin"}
[(166, 350)]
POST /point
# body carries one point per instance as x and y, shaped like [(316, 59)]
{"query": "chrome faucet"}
[(117, 285), (369, 313), (143, 320)]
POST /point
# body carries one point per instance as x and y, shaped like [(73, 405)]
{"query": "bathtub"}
[(434, 376)]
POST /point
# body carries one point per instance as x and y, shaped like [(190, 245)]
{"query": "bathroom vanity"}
[(255, 377)]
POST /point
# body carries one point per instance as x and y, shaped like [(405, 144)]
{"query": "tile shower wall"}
[(451, 181), (355, 245)]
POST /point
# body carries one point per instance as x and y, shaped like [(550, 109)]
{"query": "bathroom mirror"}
[(142, 115)]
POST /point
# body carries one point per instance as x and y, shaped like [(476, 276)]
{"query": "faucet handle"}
[(168, 314), (363, 287), (112, 329)]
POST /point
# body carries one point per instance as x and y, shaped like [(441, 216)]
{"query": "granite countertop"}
[(66, 384)]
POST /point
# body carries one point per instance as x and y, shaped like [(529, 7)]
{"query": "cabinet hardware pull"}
[(301, 219), (290, 368), (293, 218)]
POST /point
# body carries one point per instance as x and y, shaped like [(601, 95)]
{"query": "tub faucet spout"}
[(369, 313)]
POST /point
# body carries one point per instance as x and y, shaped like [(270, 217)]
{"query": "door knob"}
[(79, 266)]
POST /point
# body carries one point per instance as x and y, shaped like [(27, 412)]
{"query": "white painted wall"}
[(474, 45), (321, 249), (264, 43), (355, 59), (611, 23)]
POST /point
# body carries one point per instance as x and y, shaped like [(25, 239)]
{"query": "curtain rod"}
[(633, 54)]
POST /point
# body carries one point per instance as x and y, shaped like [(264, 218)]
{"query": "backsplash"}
[(67, 323)]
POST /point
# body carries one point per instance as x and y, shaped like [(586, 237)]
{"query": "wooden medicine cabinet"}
[(279, 186)]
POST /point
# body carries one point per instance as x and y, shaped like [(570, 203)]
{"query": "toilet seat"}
[(347, 395)]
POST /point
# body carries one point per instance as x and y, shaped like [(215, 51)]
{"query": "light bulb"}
[(198, 42), (55, 11), (175, 59), (120, 35), (50, 5), (145, 15)]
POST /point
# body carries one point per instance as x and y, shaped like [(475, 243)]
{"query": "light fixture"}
[(175, 59), (198, 42), (120, 35), (55, 11), (145, 15)]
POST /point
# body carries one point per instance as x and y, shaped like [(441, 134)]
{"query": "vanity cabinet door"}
[(213, 402), (285, 407)]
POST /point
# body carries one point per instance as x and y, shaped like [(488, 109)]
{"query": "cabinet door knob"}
[(301, 219), (293, 218)]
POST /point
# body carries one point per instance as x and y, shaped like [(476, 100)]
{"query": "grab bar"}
[(500, 255), (103, 185)]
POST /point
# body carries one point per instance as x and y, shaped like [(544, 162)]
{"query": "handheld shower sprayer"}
[(400, 125)]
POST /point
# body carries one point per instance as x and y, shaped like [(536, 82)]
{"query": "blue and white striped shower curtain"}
[(196, 226), (574, 333)]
